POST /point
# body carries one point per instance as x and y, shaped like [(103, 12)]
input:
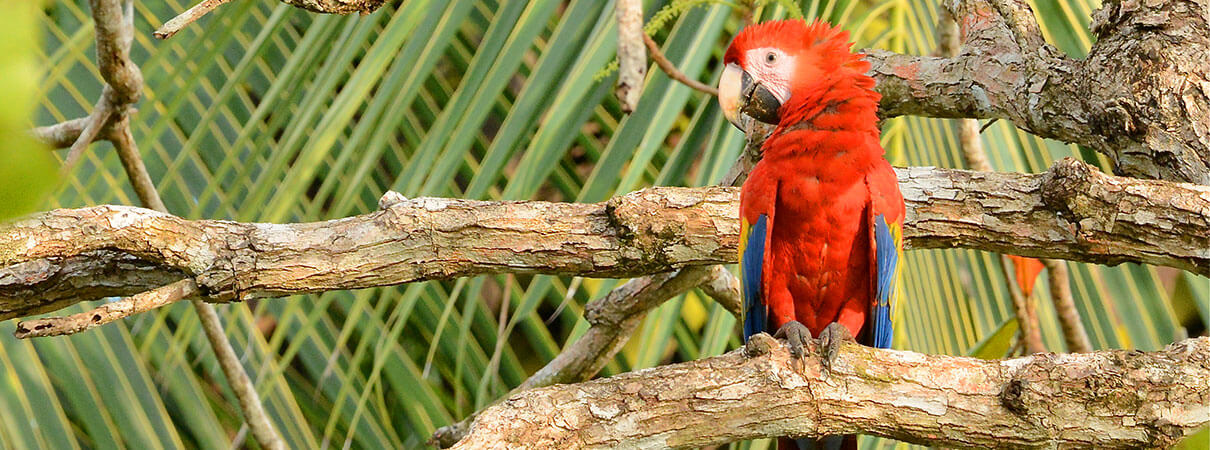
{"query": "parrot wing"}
[(886, 213), (753, 246)]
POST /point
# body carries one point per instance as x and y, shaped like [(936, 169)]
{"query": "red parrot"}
[(822, 215)]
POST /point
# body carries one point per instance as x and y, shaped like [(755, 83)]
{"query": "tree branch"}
[(1072, 212), (632, 58), (1107, 399), (670, 69), (1141, 97), (1024, 308), (109, 312), (1065, 307), (176, 24)]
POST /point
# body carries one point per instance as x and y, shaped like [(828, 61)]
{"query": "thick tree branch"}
[(1141, 97), (1071, 212), (1107, 399)]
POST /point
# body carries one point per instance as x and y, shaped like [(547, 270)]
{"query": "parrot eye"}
[(771, 57)]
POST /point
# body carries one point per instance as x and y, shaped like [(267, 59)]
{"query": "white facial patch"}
[(772, 68)]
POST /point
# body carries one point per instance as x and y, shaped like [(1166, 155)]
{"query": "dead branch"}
[(174, 25), (1106, 399), (109, 312)]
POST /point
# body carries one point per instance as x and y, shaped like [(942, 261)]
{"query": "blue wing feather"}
[(752, 258), (886, 254)]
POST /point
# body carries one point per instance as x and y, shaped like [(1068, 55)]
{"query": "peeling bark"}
[(1106, 399)]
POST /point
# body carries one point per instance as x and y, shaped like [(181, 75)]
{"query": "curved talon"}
[(796, 335), (829, 343)]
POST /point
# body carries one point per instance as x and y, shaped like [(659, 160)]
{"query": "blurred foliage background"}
[(262, 112)]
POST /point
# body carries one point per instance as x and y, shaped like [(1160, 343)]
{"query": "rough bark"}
[(1141, 97), (1107, 399), (1072, 212)]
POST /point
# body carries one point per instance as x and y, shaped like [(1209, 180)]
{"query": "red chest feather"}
[(819, 245)]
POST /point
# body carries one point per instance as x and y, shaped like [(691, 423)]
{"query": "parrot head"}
[(775, 71)]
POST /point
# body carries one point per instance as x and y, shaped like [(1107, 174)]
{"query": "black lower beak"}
[(758, 102)]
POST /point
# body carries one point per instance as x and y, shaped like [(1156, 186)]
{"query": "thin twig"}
[(671, 70), (96, 120), (109, 312), (132, 162), (1065, 307), (174, 25), (632, 62), (1027, 315), (723, 286), (62, 134), (245, 391)]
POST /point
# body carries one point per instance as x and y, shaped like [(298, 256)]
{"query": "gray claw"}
[(829, 343), (796, 335)]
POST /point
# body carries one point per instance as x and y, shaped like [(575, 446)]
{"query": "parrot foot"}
[(797, 336), (829, 343)]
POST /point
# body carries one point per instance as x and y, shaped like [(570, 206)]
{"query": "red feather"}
[(820, 182), (822, 168)]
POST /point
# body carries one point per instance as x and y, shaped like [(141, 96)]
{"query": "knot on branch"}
[(1064, 186), (389, 199), (759, 344), (664, 225), (1109, 383)]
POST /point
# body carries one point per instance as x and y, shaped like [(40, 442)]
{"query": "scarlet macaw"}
[(822, 215)]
